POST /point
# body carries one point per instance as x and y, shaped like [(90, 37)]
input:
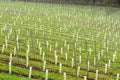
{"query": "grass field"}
[(74, 36)]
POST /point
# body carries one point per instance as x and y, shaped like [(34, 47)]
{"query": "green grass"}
[(58, 24)]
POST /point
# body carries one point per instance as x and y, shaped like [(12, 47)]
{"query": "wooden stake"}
[(44, 65), (11, 57), (88, 65), (56, 59), (94, 61), (118, 77), (43, 56), (14, 51), (30, 72), (80, 60), (78, 71), (99, 57), (66, 56), (85, 77), (106, 68), (46, 75), (27, 53), (64, 74), (28, 46), (40, 51), (3, 48), (47, 43), (72, 63), (10, 64), (6, 43), (96, 78), (113, 57), (109, 63), (27, 61), (60, 68)]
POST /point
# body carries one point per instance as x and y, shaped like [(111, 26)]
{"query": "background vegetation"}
[(87, 2)]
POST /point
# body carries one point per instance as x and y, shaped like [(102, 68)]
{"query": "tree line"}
[(77, 2)]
